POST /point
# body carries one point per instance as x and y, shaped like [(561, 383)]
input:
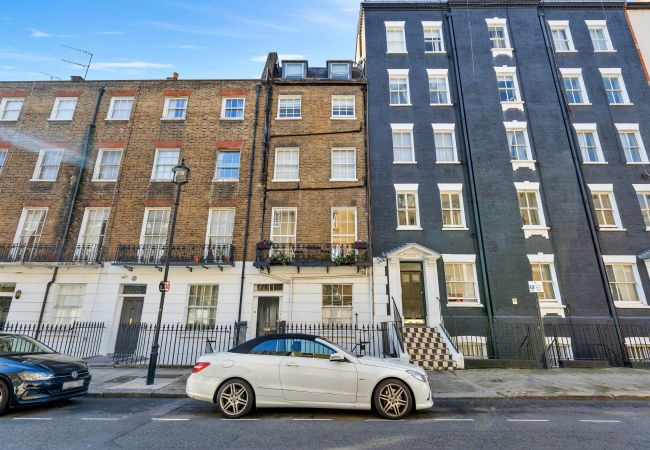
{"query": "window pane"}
[(228, 165), (202, 305), (166, 160), (344, 164)]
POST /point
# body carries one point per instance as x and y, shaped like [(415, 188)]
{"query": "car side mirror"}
[(337, 357)]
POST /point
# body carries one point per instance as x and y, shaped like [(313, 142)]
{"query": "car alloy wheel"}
[(4, 396), (393, 400), (235, 399)]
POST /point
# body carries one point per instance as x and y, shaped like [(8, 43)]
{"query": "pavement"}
[(531, 384), (154, 423)]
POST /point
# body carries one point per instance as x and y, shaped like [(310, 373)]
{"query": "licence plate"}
[(73, 384)]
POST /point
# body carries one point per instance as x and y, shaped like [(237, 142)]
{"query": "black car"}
[(31, 372)]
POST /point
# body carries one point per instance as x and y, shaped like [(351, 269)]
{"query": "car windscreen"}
[(21, 345)]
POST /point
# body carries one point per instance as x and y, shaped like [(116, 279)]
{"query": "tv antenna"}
[(52, 77), (85, 52)]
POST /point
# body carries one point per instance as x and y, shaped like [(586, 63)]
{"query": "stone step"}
[(426, 348)]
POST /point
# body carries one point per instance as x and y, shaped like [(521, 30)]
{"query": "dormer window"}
[(340, 70), (295, 70)]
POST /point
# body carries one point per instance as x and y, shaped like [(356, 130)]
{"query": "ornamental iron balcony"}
[(84, 254), (181, 254), (29, 252), (285, 254)]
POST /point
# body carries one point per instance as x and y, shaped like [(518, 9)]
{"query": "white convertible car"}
[(296, 370)]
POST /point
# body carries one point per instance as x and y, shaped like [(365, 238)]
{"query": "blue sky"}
[(151, 39)]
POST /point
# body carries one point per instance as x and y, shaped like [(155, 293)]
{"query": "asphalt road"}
[(182, 423)]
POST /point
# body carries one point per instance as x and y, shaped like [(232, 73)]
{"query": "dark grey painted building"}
[(506, 141)]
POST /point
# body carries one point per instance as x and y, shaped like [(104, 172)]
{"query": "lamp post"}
[(181, 176)]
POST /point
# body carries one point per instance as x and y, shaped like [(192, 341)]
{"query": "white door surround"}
[(416, 253)]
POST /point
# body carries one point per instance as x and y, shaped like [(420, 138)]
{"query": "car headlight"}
[(35, 376), (418, 376)]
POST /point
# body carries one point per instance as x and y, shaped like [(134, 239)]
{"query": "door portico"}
[(404, 281)]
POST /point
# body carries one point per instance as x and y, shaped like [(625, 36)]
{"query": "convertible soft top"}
[(248, 345)]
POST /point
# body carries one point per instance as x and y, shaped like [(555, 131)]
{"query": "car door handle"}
[(291, 365)]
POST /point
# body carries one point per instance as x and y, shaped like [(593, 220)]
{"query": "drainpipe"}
[(251, 170), (472, 185), (47, 291), (84, 148), (582, 184), (267, 143)]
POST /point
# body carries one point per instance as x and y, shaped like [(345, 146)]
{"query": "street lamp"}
[(181, 176)]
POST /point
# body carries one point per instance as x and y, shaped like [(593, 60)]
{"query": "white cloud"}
[(281, 56), (110, 33), (39, 34), (187, 46), (128, 65)]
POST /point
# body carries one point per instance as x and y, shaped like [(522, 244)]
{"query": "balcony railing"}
[(181, 255), (28, 253), (284, 254), (85, 253)]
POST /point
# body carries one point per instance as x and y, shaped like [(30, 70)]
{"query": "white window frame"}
[(564, 25), (223, 108), (434, 25), (39, 164), (4, 154), (439, 73), (463, 259), (356, 228), (396, 26), (295, 234), (453, 188), (346, 98), (616, 72), (216, 166), (446, 128), (166, 108), (75, 310), (3, 107), (400, 73), (155, 164), (407, 189), (600, 25), (82, 252), (575, 73), (302, 64), (561, 350), (342, 310), (354, 151), (632, 128), (631, 260), (401, 128), (207, 231), (98, 164), (55, 109), (330, 72), (289, 97), (607, 189), (582, 128), (503, 23), (145, 219), (643, 189), (545, 258), (21, 223), (509, 104), (534, 230), (212, 307), (275, 164), (111, 108), (529, 162)]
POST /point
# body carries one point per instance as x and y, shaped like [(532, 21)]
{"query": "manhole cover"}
[(120, 380)]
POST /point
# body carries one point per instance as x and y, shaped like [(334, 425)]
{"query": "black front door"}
[(267, 315), (129, 331), (412, 292)]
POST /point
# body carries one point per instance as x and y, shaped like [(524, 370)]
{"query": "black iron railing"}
[(181, 254), (324, 254), (471, 337), (84, 253), (78, 339), (360, 340), (180, 344), (28, 252), (398, 325)]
